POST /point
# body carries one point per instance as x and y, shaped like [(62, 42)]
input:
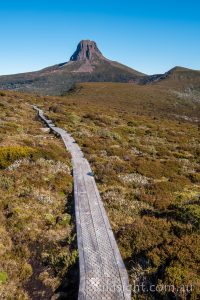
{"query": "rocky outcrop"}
[(86, 50)]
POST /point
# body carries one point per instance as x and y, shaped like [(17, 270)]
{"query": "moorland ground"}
[(143, 145), (37, 234)]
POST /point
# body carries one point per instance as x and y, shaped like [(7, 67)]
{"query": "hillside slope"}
[(176, 78), (87, 64)]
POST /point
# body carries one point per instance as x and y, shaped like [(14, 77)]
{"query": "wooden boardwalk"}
[(102, 272)]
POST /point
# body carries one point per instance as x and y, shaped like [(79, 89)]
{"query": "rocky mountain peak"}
[(86, 50)]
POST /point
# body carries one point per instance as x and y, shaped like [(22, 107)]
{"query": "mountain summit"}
[(86, 50), (87, 64)]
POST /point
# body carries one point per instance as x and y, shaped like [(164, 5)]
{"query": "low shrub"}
[(194, 177), (188, 214), (9, 154), (3, 277)]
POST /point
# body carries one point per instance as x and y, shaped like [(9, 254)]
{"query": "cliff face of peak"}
[(86, 50)]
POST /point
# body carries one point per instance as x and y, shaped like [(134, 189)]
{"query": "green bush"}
[(3, 277), (9, 154), (176, 275), (6, 183), (64, 219), (189, 214), (50, 219), (194, 177)]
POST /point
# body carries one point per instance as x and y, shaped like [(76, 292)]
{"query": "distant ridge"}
[(87, 64), (178, 77)]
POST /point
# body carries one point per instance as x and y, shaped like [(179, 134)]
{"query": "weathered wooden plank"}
[(102, 271)]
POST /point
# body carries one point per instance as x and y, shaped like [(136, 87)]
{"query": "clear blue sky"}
[(150, 36)]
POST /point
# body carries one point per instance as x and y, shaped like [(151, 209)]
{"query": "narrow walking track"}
[(102, 272)]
